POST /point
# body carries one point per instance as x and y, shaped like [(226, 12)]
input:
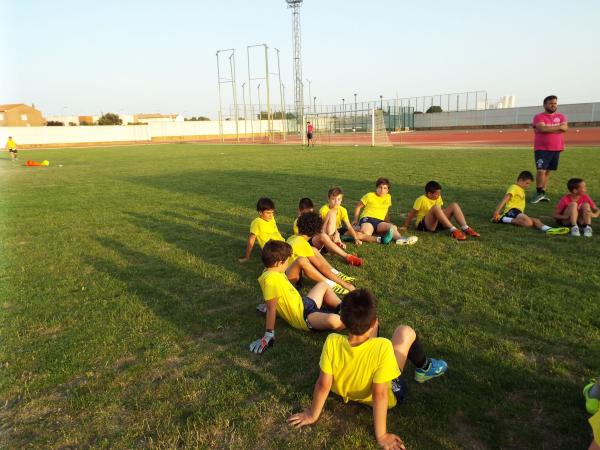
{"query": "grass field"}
[(126, 318)]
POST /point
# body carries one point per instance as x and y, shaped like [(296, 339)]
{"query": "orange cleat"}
[(458, 235), (354, 260), (471, 232)]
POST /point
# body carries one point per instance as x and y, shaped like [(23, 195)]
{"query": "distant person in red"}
[(309, 134), (549, 127)]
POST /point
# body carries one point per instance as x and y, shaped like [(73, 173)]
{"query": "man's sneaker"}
[(592, 405), (387, 237), (575, 231), (437, 368), (400, 389), (407, 240), (587, 231), (262, 308), (339, 290), (353, 260), (458, 235), (346, 278), (471, 232), (540, 198), (557, 231)]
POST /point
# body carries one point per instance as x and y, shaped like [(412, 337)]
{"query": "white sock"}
[(452, 229), (545, 228), (330, 283), (575, 227), (379, 239), (335, 271), (465, 227), (508, 220), (588, 227)]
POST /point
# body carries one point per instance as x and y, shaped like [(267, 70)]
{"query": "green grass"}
[(126, 319)]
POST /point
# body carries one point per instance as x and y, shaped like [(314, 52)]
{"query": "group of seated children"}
[(574, 210)]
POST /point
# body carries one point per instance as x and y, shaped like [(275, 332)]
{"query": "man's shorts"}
[(374, 222), (311, 307), (12, 150), (511, 214), (308, 135), (421, 226), (546, 159)]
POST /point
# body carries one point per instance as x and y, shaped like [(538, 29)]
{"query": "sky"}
[(76, 57)]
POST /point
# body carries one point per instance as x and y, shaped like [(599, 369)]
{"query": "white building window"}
[(23, 116)]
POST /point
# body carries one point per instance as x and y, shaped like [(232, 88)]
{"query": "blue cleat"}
[(437, 368)]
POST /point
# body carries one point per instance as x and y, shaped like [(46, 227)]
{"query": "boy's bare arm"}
[(359, 206), (409, 219), (352, 232), (503, 202), (379, 391), (251, 240), (268, 340), (320, 393)]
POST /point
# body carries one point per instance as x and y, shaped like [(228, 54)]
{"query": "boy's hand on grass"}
[(357, 242), (260, 345), (390, 441), (302, 419)]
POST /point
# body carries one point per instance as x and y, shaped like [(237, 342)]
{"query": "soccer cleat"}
[(587, 231), (339, 290), (592, 405), (458, 235), (437, 368), (471, 232), (262, 308), (540, 198), (346, 278), (557, 231), (407, 240), (353, 260), (575, 231), (387, 237), (400, 389)]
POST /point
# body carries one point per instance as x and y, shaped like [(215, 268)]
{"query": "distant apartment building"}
[(20, 115)]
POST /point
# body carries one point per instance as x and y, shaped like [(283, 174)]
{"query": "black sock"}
[(540, 191), (416, 354)]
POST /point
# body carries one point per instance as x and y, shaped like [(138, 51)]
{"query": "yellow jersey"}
[(355, 369), (423, 204), (595, 424), (341, 216), (11, 144), (265, 231), (375, 206), (517, 200), (275, 285), (295, 226), (300, 247)]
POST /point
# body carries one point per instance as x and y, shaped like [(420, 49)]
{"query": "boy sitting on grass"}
[(324, 242), (308, 260), (365, 368), (576, 209), (263, 228), (512, 207), (315, 311), (432, 217), (375, 218)]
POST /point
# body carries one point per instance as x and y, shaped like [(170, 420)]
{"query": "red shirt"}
[(554, 142), (564, 202), (309, 128)]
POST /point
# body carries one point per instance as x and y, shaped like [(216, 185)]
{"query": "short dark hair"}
[(550, 97), (309, 223), (274, 252), (334, 192), (574, 183), (305, 203), (526, 175), (432, 186), (359, 311), (381, 181), (265, 204)]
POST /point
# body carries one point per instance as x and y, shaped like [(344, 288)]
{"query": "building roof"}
[(8, 106), (155, 116)]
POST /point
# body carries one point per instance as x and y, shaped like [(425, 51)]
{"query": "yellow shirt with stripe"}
[(295, 226), (375, 206), (595, 424), (275, 285), (517, 200), (423, 204), (265, 231), (11, 144), (300, 247), (341, 216), (355, 369)]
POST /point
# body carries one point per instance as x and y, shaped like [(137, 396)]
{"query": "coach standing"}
[(549, 127)]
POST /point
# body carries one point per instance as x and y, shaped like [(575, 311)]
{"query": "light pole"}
[(343, 115), (245, 114), (259, 111), (309, 95), (315, 104), (354, 126), (381, 102)]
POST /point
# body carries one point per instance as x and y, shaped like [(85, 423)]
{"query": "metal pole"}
[(220, 104), (245, 113), (234, 87), (281, 98), (315, 104), (381, 102), (250, 94), (259, 112), (309, 94), (354, 125), (269, 116), (343, 115), (373, 127)]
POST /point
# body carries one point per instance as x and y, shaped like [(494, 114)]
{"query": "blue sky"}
[(81, 57)]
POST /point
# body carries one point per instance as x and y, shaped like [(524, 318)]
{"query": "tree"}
[(434, 109), (110, 119), (55, 123)]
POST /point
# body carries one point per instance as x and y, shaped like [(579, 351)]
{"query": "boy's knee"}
[(404, 333), (586, 207)]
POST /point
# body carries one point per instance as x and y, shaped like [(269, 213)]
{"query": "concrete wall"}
[(581, 112)]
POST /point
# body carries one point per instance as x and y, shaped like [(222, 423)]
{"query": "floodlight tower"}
[(295, 5)]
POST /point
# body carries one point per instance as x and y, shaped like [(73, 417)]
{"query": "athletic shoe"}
[(458, 235), (471, 232), (557, 231), (437, 368), (592, 405), (575, 231), (339, 290), (540, 198), (387, 237), (353, 261), (262, 308), (587, 231), (346, 278), (407, 240), (400, 389), (347, 238)]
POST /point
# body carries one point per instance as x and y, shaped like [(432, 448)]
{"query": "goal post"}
[(379, 134)]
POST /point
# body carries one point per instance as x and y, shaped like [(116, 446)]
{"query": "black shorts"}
[(374, 222), (12, 150), (311, 307), (342, 230), (422, 227), (308, 135), (512, 213), (546, 159)]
